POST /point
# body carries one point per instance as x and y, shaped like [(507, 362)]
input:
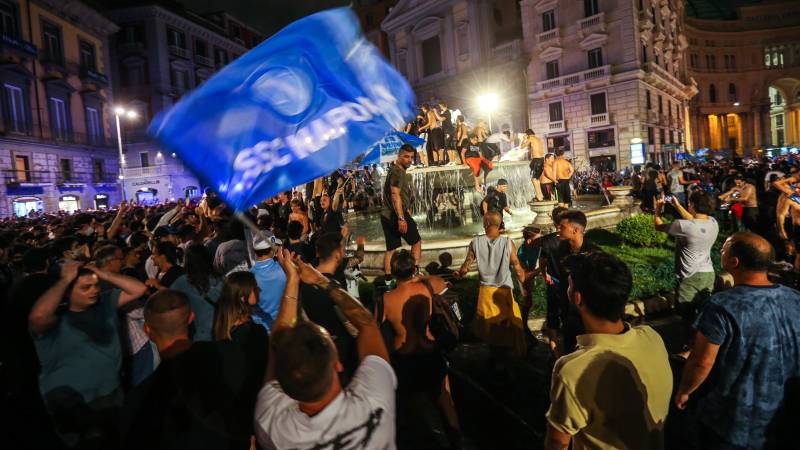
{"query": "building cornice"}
[(409, 12), (81, 14)]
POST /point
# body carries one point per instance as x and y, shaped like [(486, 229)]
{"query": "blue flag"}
[(387, 148), (300, 105)]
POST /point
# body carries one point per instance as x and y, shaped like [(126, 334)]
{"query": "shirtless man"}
[(536, 149), (563, 170), (745, 193), (548, 180), (433, 127), (786, 206)]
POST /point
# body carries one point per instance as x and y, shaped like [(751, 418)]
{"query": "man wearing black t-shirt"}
[(562, 318), (396, 220), (496, 201)]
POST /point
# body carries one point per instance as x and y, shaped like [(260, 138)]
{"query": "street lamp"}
[(131, 115), (488, 103)]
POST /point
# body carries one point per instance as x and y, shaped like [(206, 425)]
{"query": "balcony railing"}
[(24, 130), (86, 177), (507, 51), (130, 46), (556, 127), (204, 60), (178, 51), (599, 119), (12, 176), (575, 78), (592, 23), (18, 44), (93, 76), (160, 169), (547, 36)]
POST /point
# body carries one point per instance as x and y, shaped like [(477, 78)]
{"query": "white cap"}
[(260, 244)]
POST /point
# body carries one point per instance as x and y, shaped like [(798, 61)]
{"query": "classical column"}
[(723, 137), (766, 126), (705, 126), (740, 144), (754, 118)]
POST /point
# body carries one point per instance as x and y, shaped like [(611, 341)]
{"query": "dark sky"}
[(265, 15)]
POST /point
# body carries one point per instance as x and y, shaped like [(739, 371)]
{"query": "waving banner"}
[(300, 105)]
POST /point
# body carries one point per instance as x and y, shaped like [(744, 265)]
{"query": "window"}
[(94, 126), (648, 100), (180, 80), (548, 20), (712, 94), (66, 169), (661, 136), (644, 53), (58, 118), (8, 19), (651, 136), (601, 138), (693, 61), (200, 48), (598, 103), (97, 169), (671, 137), (132, 33), (556, 113), (88, 60), (16, 119), (711, 62), (558, 143), (779, 120), (590, 8), (732, 92), (51, 38), (176, 38), (220, 57), (660, 105), (431, 56), (595, 57), (463, 43), (23, 167), (144, 159), (730, 62), (551, 69), (773, 56)]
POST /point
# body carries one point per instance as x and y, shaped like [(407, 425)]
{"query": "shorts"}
[(436, 139), (392, 235), (537, 167), (489, 150), (564, 192), (696, 288), (477, 163)]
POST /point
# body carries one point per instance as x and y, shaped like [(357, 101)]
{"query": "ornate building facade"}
[(459, 50), (160, 54), (605, 74), (57, 146), (747, 67)]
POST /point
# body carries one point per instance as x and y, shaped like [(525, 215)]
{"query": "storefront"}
[(69, 203), (24, 205), (604, 163), (101, 201), (146, 196), (191, 192)]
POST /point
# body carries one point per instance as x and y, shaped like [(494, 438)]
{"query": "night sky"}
[(267, 16)]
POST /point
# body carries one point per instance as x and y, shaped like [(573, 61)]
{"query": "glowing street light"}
[(130, 115), (488, 103)]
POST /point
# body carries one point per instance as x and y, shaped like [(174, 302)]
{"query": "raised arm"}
[(117, 223), (43, 314), (131, 288), (287, 311), (681, 210), (783, 185)]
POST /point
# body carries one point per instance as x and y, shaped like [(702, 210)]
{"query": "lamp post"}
[(488, 103), (130, 114)]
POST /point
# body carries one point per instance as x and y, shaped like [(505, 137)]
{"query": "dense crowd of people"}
[(183, 326)]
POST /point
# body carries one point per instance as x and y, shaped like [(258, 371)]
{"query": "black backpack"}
[(445, 321)]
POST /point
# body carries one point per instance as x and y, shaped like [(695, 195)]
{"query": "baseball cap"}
[(502, 182), (163, 231), (259, 243)]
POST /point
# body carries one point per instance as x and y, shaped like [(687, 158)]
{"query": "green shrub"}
[(639, 231)]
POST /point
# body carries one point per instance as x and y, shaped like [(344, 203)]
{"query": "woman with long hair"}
[(239, 294), (202, 285)]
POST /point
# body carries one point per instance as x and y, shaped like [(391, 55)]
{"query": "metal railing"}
[(204, 60), (24, 130), (160, 169), (12, 176), (178, 51)]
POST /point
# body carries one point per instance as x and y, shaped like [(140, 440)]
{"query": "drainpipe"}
[(35, 76)]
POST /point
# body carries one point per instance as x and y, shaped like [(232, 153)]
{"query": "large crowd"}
[(183, 325)]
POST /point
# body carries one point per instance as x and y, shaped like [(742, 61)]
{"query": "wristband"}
[(401, 219)]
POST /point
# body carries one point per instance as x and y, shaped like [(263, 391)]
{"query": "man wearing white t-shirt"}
[(303, 405)]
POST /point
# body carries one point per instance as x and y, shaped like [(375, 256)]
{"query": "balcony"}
[(597, 120), (548, 38), (157, 170), (557, 127), (174, 50), (663, 79), (203, 60), (53, 67), (28, 177), (89, 75), (15, 49), (131, 47), (576, 78), (25, 131), (592, 24), (507, 51)]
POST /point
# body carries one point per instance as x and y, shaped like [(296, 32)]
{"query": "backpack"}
[(445, 321)]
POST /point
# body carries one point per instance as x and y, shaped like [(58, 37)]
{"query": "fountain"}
[(446, 209)]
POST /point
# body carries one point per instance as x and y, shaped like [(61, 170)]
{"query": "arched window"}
[(712, 94), (732, 92)]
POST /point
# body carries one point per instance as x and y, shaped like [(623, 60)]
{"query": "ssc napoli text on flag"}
[(303, 103)]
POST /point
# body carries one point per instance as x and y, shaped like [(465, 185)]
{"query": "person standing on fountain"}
[(564, 171), (433, 126), (496, 201), (396, 221), (471, 155), (449, 135), (536, 149), (462, 137), (548, 179)]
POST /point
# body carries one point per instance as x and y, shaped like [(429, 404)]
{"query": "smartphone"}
[(668, 198)]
